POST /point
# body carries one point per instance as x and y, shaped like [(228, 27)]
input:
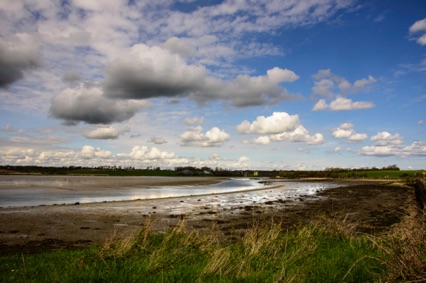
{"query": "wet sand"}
[(371, 206)]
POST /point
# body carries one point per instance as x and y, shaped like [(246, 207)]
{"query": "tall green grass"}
[(315, 253)]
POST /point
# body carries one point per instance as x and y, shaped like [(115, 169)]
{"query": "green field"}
[(265, 254), (382, 174), (324, 251), (333, 173)]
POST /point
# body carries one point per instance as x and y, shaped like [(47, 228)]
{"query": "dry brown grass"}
[(405, 248)]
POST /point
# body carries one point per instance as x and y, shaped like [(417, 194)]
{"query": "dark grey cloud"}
[(157, 140), (17, 54), (148, 72), (71, 77), (245, 91), (87, 104)]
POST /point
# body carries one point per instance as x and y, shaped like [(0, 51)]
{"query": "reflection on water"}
[(21, 191), (49, 190)]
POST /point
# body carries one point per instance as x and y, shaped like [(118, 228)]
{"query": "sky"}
[(238, 84)]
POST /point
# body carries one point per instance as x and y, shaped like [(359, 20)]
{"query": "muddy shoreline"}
[(372, 207)]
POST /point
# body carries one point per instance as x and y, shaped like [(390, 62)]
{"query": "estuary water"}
[(19, 191)]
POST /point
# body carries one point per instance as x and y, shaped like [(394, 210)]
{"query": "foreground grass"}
[(325, 252)]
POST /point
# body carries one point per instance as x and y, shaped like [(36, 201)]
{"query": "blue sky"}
[(285, 85)]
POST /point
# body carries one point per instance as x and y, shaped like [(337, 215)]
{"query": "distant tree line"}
[(192, 171), (33, 169), (341, 170), (207, 171)]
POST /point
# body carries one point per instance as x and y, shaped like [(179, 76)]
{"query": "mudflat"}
[(372, 207)]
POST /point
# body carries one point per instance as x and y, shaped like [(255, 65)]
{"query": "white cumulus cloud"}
[(277, 123), (195, 137), (299, 134), (417, 148), (358, 137), (104, 133), (363, 84), (262, 140), (378, 151), (335, 89), (387, 144), (320, 105), (88, 152), (419, 27), (347, 131), (330, 85), (342, 104), (422, 40), (280, 126), (386, 138), (144, 153)]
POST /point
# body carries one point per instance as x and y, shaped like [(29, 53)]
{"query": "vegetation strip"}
[(325, 250), (315, 253)]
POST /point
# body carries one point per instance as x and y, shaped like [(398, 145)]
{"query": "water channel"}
[(19, 191)]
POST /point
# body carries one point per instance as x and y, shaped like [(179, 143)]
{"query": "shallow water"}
[(49, 190), (19, 191)]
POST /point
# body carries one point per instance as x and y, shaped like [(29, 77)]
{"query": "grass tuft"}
[(327, 250), (405, 250)]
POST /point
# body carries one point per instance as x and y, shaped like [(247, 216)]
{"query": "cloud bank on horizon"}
[(234, 83)]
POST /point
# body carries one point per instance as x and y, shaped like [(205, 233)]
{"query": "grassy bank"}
[(382, 174), (327, 251)]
